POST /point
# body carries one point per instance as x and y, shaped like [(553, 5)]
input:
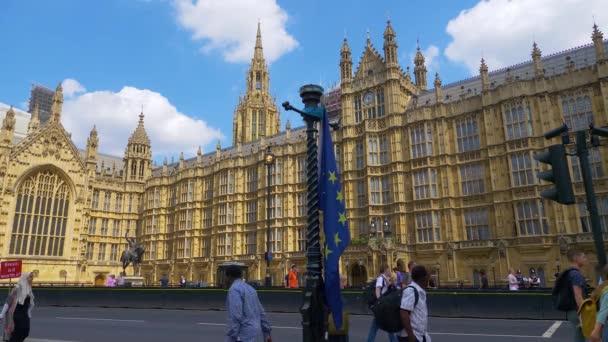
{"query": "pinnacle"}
[(140, 136)]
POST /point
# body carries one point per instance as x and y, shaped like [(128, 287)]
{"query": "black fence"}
[(536, 304)]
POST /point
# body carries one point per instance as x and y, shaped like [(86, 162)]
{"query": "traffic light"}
[(559, 175)]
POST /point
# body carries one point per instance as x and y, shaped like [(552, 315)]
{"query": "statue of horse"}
[(133, 256)]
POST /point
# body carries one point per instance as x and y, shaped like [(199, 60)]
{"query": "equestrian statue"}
[(132, 255)]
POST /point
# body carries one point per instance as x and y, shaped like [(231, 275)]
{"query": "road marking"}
[(45, 340), (552, 329), (482, 335), (273, 327), (100, 319)]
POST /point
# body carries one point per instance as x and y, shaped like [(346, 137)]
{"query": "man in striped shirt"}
[(246, 317)]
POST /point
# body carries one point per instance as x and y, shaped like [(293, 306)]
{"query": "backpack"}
[(562, 294), (370, 292), (588, 313), (387, 311)]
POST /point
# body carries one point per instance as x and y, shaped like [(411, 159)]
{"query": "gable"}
[(51, 142), (370, 61)]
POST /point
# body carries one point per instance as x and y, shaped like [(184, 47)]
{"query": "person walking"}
[(164, 281), (414, 312), (483, 280), (246, 317), (383, 283), (182, 281), (574, 278), (513, 282), (600, 296), (17, 310), (293, 277)]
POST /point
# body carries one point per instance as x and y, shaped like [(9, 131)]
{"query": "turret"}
[(536, 59), (8, 128), (92, 145), (485, 80), (437, 85), (34, 120), (181, 161), (390, 45), (346, 63), (199, 156), (165, 166), (598, 43), (420, 70), (57, 104), (218, 149), (138, 155)]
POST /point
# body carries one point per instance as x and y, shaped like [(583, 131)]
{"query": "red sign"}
[(10, 269)]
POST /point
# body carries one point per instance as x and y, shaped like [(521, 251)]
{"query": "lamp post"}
[(314, 314), (268, 160), (372, 229)]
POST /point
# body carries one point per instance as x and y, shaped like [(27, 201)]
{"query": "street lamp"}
[(268, 160), (314, 313), (372, 229), (387, 229)]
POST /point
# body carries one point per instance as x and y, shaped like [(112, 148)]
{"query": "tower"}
[(257, 114), (598, 43), (138, 155), (390, 46), (346, 63), (8, 129), (536, 59), (420, 70), (437, 85)]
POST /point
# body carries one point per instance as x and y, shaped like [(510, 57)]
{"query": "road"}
[(98, 324)]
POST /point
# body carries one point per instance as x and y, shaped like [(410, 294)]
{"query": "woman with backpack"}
[(600, 296)]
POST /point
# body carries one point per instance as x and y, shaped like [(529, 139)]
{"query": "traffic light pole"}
[(596, 227)]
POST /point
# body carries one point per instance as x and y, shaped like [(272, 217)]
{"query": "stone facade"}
[(444, 176)]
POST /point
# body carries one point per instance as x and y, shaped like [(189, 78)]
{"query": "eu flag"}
[(337, 235)]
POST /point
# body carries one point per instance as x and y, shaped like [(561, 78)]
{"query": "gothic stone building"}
[(444, 176)]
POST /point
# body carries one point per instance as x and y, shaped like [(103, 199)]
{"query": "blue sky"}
[(183, 60)]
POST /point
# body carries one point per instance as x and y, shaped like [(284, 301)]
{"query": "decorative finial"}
[(199, 151), (369, 40)]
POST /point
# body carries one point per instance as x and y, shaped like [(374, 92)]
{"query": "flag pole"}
[(314, 313)]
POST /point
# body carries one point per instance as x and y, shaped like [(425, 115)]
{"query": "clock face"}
[(368, 98)]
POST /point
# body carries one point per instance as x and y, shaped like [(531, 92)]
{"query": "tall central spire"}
[(259, 52)]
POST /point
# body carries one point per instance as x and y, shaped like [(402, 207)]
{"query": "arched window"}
[(41, 215)]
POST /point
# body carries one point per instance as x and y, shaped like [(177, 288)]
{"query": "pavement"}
[(55, 324)]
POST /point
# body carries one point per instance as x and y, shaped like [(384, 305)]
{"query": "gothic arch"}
[(43, 203)]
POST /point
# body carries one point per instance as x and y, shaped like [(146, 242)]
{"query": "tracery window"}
[(41, 215)]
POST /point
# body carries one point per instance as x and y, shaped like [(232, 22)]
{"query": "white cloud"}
[(72, 87), (116, 115), (230, 27), (503, 30)]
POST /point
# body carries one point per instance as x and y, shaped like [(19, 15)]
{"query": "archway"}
[(100, 280), (358, 275), (401, 266)]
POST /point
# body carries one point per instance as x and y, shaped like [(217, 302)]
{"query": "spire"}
[(140, 136), (598, 43), (34, 120), (92, 144), (420, 69), (346, 62), (259, 52), (368, 40), (536, 59), (199, 155), (165, 166), (57, 104), (390, 45), (181, 160), (218, 149), (485, 80), (437, 85), (8, 128)]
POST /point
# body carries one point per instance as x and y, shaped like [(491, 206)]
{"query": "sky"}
[(184, 61)]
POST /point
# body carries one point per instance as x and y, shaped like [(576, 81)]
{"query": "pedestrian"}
[(576, 288), (382, 287), (246, 317), (513, 282), (182, 281), (406, 277), (111, 281), (414, 312), (398, 277), (17, 311), (293, 277), (120, 282), (164, 281), (600, 295), (484, 280)]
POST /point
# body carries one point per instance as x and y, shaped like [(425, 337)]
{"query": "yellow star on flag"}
[(342, 218), (340, 196), (327, 251), (337, 239), (332, 177)]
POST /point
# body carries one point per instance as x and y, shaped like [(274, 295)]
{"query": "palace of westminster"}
[(443, 176)]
